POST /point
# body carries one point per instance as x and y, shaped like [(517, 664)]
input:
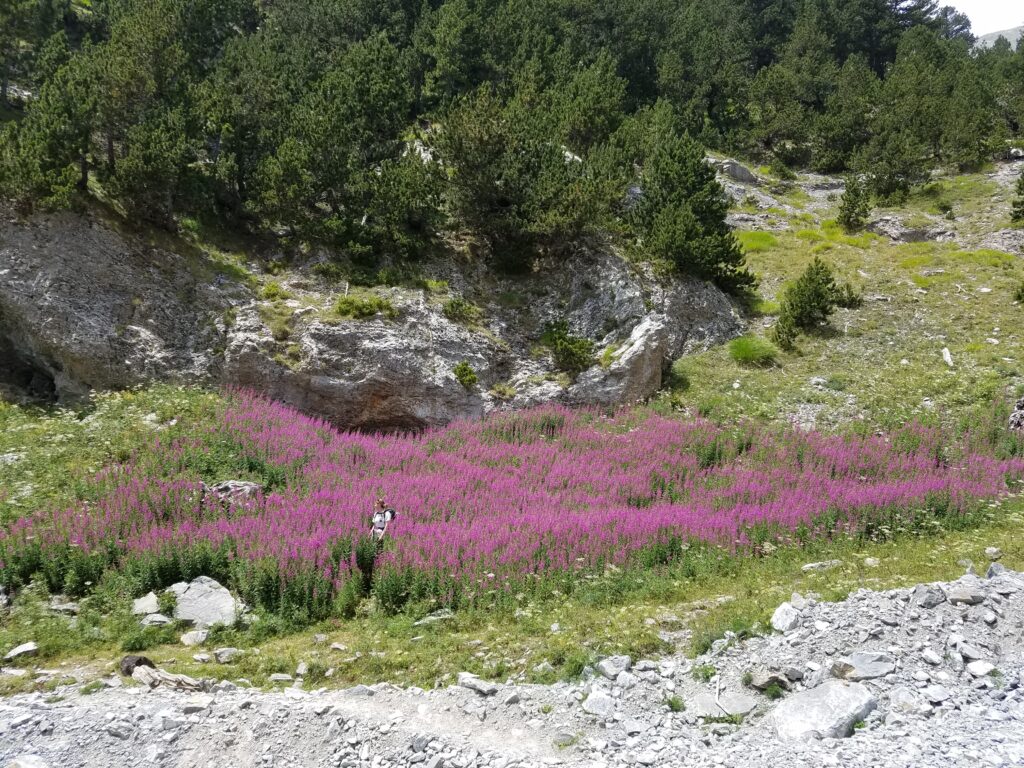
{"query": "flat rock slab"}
[(204, 602), (474, 683), (966, 596), (25, 649), (864, 665), (829, 711), (600, 704), (729, 704)]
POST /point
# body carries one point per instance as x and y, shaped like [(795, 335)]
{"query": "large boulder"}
[(829, 711), (635, 371), (204, 602)]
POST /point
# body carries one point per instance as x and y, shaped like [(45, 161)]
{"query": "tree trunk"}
[(110, 152), (83, 179)]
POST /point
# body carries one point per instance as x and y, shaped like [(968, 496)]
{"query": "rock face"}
[(828, 711), (204, 602), (83, 307)]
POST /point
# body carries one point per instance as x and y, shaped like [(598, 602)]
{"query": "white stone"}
[(600, 704), (613, 666), (204, 602), (146, 604), (786, 618), (980, 668), (194, 638), (25, 649)]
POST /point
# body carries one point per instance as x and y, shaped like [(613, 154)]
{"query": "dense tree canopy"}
[(374, 124)]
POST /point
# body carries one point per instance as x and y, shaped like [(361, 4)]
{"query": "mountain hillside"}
[(1011, 35)]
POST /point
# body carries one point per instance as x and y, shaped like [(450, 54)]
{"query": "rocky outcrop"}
[(84, 306), (895, 229)]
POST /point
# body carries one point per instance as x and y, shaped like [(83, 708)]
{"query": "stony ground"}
[(927, 676)]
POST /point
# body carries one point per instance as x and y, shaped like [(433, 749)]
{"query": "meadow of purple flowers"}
[(486, 509)]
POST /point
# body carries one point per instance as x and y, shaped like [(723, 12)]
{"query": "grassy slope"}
[(883, 362), (859, 359)]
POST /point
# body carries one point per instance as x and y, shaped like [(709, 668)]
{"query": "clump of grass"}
[(359, 307), (704, 672), (747, 679), (503, 391), (465, 374), (675, 704), (774, 691), (90, 688), (273, 291), (1018, 293), (756, 242), (278, 318), (752, 350), (460, 310)]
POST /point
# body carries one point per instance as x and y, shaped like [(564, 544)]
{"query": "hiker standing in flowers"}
[(382, 517)]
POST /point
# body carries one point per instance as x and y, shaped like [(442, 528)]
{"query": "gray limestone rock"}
[(829, 711)]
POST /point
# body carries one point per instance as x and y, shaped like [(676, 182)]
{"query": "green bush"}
[(465, 374), (459, 310), (362, 307), (751, 350), (572, 354)]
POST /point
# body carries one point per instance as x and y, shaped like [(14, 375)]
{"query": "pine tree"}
[(806, 304), (855, 205), (680, 217), (1017, 215)]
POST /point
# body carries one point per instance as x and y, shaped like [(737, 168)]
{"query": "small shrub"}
[(748, 678), (848, 297), (751, 350), (704, 673), (781, 171), (363, 307), (572, 354), (459, 310), (1018, 294), (273, 291), (166, 603), (675, 704), (465, 374), (855, 205)]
